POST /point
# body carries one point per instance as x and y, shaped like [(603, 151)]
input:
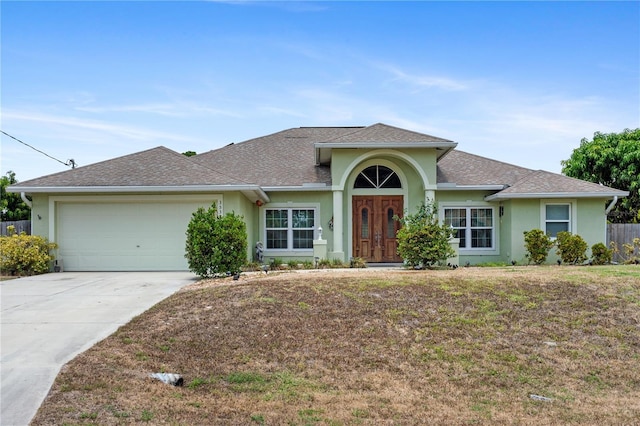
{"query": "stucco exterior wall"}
[(525, 217), (588, 221), (592, 222), (40, 215)]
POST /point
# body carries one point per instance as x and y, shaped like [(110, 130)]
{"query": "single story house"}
[(131, 213)]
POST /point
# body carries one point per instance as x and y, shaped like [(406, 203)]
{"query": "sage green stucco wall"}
[(461, 197), (592, 222), (344, 160), (525, 217), (40, 206), (588, 221), (506, 230)]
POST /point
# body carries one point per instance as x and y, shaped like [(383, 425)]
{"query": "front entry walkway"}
[(48, 319)]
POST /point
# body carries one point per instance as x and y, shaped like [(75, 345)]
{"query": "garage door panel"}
[(123, 236)]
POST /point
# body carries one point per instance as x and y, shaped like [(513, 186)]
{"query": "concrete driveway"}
[(49, 319)]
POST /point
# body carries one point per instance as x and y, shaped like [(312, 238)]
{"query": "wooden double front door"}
[(374, 229)]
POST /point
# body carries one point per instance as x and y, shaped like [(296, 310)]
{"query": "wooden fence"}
[(20, 225), (622, 233)]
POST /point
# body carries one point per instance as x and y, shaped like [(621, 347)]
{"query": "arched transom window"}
[(377, 177)]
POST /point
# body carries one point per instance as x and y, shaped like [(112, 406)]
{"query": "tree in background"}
[(11, 205), (189, 153), (611, 159)]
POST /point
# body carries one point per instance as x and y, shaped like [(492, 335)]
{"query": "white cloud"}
[(164, 109), (118, 130), (423, 81)]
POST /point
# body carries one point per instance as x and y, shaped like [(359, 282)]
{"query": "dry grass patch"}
[(368, 347)]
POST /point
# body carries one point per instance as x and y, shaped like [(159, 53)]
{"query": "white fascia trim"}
[(607, 195), (257, 190), (304, 187), (455, 187), (136, 188)]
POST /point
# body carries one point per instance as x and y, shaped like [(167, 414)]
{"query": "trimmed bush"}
[(538, 245), (25, 254), (422, 240), (629, 253), (571, 248), (600, 254), (216, 245)]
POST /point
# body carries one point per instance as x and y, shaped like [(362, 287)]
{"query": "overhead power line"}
[(71, 162)]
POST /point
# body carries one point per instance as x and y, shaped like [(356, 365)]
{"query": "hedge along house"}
[(131, 212)]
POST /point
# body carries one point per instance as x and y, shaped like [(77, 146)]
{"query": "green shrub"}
[(216, 245), (338, 263), (358, 262), (293, 264), (307, 264), (630, 251), (276, 264), (571, 248), (324, 263), (600, 254), (538, 245), (422, 240), (25, 254)]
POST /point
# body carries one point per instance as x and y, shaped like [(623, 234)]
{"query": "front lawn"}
[(512, 345)]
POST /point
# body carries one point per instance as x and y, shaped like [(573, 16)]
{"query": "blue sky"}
[(521, 82)]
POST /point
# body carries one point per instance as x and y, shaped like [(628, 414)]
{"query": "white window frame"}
[(289, 207), (571, 221), (494, 249)]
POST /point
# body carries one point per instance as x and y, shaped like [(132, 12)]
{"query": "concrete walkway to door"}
[(47, 320)]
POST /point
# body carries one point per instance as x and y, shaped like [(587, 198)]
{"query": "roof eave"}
[(529, 195), (369, 145), (456, 187), (323, 149), (249, 190), (311, 187)]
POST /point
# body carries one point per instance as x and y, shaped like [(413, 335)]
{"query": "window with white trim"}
[(474, 226), (289, 228), (557, 218)]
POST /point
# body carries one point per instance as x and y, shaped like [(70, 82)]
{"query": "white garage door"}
[(143, 236)]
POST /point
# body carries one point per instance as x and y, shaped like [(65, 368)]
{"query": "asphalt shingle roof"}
[(462, 168), (383, 133), (287, 159), (543, 182), (154, 167)]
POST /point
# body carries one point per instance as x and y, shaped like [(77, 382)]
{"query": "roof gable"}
[(383, 133), (381, 136)]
